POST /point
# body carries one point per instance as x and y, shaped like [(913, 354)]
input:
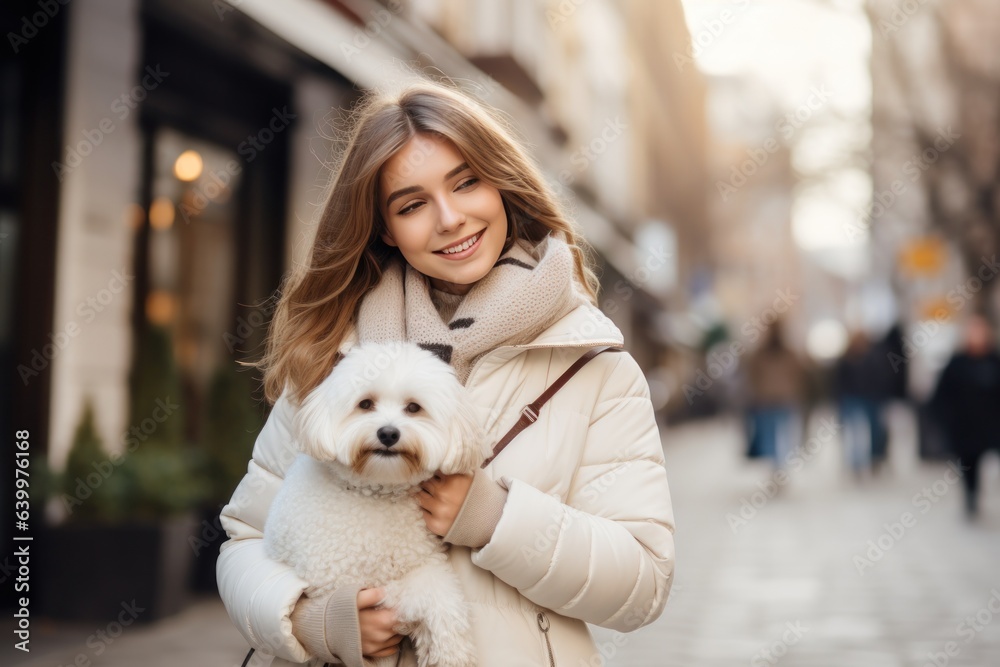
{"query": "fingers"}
[(377, 630), (382, 649), (426, 491), (378, 623), (431, 484), (370, 597), (387, 651), (423, 496)]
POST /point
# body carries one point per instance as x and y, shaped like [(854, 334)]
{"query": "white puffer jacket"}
[(586, 533)]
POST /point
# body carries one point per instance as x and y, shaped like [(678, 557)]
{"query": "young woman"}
[(441, 231)]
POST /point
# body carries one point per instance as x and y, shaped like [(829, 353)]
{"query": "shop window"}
[(192, 256)]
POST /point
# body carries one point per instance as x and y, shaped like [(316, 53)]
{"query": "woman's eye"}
[(413, 407), (410, 208), (366, 404), (467, 183)]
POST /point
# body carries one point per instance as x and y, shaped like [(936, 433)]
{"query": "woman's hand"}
[(378, 638), (441, 497)]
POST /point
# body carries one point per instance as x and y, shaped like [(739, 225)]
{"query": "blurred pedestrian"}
[(776, 384), (967, 403), (861, 386)]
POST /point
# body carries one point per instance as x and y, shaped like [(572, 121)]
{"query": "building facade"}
[(168, 160)]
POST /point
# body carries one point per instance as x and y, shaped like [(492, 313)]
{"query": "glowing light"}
[(161, 213), (161, 307), (188, 166), (827, 340)]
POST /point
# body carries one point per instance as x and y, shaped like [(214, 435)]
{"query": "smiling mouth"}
[(464, 245)]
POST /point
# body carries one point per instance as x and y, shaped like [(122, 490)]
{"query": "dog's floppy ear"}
[(313, 426), (466, 447)]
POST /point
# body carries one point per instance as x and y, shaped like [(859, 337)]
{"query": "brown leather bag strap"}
[(529, 413)]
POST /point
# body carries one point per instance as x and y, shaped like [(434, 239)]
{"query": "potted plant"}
[(127, 516), (232, 423)]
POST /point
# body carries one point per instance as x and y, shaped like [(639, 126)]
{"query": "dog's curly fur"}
[(386, 418)]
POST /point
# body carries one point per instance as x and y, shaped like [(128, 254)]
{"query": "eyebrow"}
[(417, 188)]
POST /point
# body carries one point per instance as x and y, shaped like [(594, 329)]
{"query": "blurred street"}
[(791, 566), (783, 588)]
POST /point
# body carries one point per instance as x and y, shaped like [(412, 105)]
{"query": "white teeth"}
[(465, 246)]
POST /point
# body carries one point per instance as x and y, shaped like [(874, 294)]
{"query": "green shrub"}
[(233, 421), (86, 493)]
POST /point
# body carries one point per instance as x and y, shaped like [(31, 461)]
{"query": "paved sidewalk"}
[(200, 636), (786, 582)]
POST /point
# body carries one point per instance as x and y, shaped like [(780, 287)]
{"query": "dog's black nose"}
[(388, 435)]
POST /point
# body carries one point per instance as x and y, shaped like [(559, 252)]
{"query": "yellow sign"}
[(936, 308), (924, 256)]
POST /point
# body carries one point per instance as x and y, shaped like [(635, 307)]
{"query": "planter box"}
[(209, 536), (89, 571)]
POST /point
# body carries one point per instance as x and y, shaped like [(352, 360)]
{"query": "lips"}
[(474, 237)]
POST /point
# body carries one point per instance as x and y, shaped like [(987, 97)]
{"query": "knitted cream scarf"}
[(527, 290)]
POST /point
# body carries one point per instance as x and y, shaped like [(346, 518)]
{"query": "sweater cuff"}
[(480, 513), (328, 626)]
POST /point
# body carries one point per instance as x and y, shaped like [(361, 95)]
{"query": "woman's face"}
[(431, 202)]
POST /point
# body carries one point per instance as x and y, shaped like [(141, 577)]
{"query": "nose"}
[(451, 217), (388, 435)]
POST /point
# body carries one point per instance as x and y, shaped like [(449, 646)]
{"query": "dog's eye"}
[(413, 407), (366, 404)]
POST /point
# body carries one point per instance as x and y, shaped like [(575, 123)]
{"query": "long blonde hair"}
[(319, 302)]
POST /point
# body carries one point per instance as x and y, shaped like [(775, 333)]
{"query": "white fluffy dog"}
[(386, 418)]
